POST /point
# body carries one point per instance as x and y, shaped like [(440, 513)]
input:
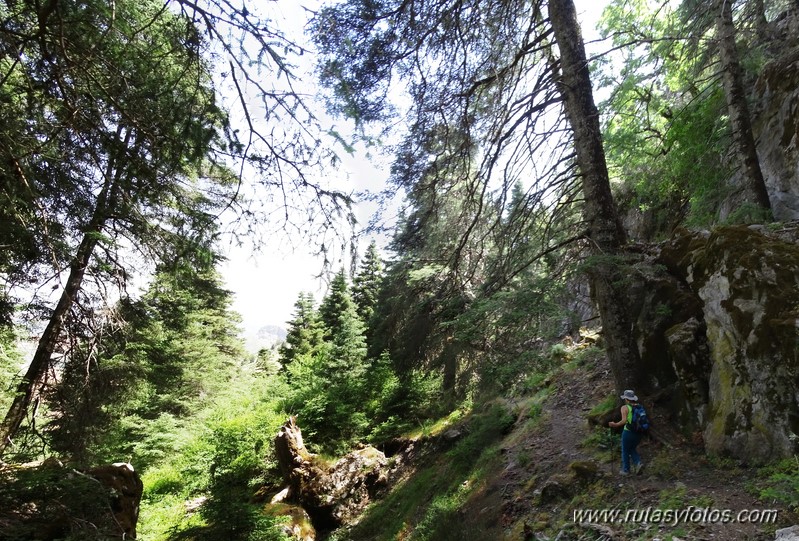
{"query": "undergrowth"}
[(779, 483), (204, 490), (426, 505)]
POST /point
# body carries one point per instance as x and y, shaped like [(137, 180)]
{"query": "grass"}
[(426, 505), (223, 463), (164, 515), (434, 427), (579, 357), (675, 497), (536, 404), (534, 382), (604, 445), (606, 406), (667, 464)]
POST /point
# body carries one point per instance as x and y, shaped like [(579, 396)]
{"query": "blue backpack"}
[(639, 421)]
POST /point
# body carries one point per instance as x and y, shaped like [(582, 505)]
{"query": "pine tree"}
[(120, 124), (743, 139), (343, 329), (10, 361), (330, 384), (347, 365), (337, 301), (366, 284), (485, 79), (304, 332), (162, 356)]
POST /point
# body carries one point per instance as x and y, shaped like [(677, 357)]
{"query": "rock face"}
[(777, 123), (331, 494), (730, 332)]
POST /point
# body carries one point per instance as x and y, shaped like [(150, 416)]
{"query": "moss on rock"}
[(747, 280)]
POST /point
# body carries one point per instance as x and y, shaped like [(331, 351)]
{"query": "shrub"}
[(781, 483)]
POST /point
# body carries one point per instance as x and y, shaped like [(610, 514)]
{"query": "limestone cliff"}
[(775, 114)]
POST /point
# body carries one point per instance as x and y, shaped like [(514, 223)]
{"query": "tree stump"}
[(332, 495)]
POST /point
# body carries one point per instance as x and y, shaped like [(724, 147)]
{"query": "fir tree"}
[(305, 332), (331, 384), (344, 330), (162, 357), (366, 284), (337, 302)]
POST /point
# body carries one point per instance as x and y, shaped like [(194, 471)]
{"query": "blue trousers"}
[(629, 449)]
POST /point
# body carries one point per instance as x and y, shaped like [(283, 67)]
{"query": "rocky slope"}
[(559, 459)]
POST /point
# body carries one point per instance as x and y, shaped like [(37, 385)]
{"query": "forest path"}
[(537, 491)]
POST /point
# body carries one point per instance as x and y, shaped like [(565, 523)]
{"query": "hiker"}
[(630, 437)]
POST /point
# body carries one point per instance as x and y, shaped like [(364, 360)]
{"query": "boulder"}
[(340, 494), (565, 485), (788, 534), (125, 490), (48, 501), (736, 358), (661, 301), (585, 470), (297, 524)]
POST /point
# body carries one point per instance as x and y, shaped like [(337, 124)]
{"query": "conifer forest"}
[(566, 201)]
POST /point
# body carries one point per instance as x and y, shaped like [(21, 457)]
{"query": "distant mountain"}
[(265, 337), (275, 333)]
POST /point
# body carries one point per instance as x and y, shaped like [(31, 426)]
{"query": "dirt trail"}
[(537, 492)]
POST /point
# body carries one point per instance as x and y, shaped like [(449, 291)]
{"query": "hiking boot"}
[(638, 467), (623, 472)]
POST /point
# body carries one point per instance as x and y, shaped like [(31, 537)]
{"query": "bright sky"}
[(266, 286)]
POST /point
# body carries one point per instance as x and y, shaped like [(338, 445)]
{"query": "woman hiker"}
[(629, 438)]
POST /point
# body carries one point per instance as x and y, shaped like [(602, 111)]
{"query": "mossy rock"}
[(560, 486), (748, 281), (297, 524), (585, 470)]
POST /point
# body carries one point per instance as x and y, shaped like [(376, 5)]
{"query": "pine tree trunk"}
[(604, 227), (740, 121), (29, 386)]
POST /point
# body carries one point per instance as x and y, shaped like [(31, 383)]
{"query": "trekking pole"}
[(612, 448)]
